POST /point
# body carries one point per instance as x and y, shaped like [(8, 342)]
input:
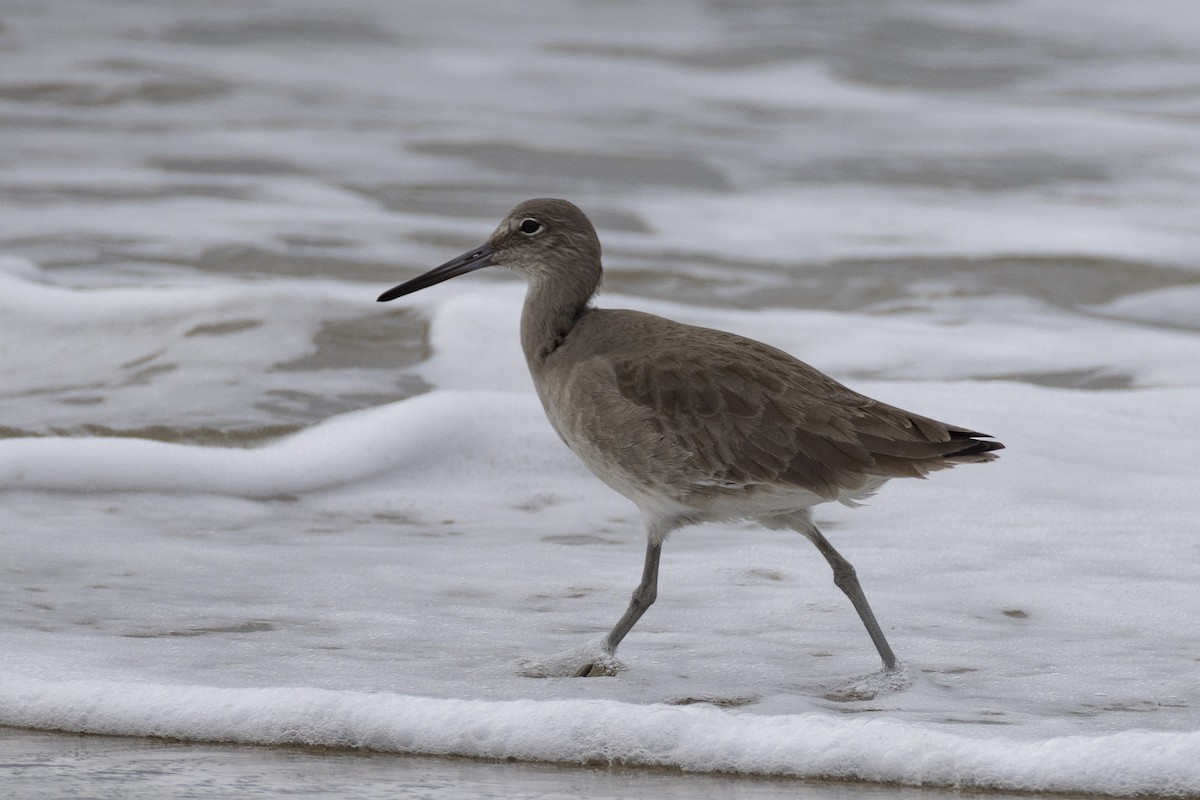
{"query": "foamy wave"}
[(691, 738)]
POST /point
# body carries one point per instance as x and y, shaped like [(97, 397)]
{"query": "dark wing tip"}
[(974, 444), (978, 448)]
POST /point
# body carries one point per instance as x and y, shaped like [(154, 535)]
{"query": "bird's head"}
[(543, 240)]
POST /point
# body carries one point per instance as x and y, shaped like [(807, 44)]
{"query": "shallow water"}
[(236, 486)]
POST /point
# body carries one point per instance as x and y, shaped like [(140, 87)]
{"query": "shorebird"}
[(694, 424)]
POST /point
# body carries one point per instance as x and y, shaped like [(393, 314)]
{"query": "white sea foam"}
[(699, 739)]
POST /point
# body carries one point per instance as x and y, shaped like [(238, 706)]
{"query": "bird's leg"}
[(845, 579), (643, 598)]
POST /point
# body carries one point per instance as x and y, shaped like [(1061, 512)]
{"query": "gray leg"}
[(845, 579), (643, 598)]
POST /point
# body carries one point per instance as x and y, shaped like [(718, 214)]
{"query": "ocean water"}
[(243, 503)]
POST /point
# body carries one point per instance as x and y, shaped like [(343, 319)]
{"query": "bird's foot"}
[(598, 669), (868, 687), (588, 660)]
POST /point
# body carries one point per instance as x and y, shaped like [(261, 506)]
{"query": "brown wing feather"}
[(743, 413)]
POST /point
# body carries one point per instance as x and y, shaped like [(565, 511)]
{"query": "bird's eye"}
[(530, 226)]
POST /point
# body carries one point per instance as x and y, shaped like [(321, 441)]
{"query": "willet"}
[(693, 424)]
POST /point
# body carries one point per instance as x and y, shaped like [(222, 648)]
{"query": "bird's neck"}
[(552, 307)]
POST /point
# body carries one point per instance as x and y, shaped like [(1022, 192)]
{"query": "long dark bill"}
[(470, 261)]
